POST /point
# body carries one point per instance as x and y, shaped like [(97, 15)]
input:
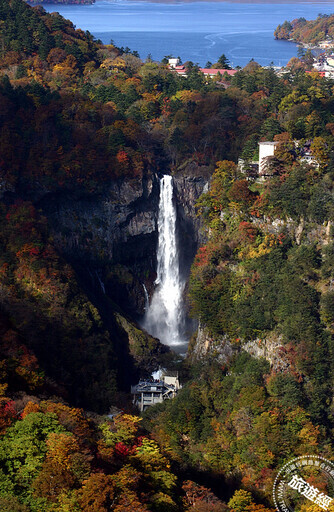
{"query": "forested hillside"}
[(307, 32), (86, 124), (60, 2)]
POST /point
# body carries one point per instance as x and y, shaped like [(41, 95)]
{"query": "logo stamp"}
[(306, 479)]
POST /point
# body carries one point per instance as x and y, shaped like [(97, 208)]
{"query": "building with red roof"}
[(174, 65)]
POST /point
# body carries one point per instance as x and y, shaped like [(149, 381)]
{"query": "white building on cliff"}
[(265, 149)]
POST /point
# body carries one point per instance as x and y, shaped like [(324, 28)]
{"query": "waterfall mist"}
[(164, 316)]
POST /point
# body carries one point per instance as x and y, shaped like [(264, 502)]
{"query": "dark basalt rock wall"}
[(188, 188), (113, 236), (118, 225)]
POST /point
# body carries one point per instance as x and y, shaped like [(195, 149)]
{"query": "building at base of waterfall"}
[(155, 391)]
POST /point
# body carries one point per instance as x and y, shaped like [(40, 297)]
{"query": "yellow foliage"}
[(61, 447), (308, 506), (122, 429), (148, 96), (126, 478), (187, 95), (309, 435), (67, 502), (320, 151), (149, 456), (240, 500), (108, 63), (3, 389), (264, 247), (113, 63)]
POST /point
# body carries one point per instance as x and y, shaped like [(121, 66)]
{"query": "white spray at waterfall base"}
[(164, 316)]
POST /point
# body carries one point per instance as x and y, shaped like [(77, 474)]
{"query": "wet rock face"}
[(188, 188), (115, 234), (119, 225)]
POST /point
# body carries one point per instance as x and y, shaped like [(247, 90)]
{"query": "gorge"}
[(123, 244), (103, 159)]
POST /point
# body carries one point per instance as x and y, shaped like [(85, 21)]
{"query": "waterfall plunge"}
[(163, 318)]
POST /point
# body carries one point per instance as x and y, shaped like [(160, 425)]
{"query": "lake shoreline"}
[(199, 31)]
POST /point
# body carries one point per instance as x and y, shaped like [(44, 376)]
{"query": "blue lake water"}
[(199, 31)]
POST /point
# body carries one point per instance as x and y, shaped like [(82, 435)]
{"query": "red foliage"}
[(138, 441), (265, 476), (7, 414), (166, 109), (122, 157), (281, 237), (247, 231), (34, 251), (259, 205), (121, 450), (202, 257), (240, 193)]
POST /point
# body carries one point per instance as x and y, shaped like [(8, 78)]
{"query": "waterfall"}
[(147, 299), (164, 316), (100, 282)]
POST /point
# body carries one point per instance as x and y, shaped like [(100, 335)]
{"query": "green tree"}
[(23, 448), (223, 62)]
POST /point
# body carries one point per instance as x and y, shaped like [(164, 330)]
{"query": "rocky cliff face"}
[(223, 348), (104, 227), (113, 236), (189, 185)]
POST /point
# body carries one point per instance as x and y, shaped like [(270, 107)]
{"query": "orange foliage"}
[(10, 58), (258, 508), (122, 157), (259, 206), (129, 502), (71, 418), (259, 95), (105, 452), (97, 493), (29, 408), (64, 467), (61, 447), (23, 362), (53, 480), (56, 55)]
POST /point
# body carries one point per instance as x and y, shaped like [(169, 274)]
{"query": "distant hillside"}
[(60, 2), (26, 31), (307, 32)]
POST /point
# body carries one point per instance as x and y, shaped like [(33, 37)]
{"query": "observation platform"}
[(154, 391)]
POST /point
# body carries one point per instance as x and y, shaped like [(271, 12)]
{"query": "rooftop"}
[(269, 143), (215, 71)]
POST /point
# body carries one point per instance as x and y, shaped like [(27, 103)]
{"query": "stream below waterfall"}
[(164, 317)]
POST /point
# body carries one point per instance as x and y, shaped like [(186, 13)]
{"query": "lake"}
[(199, 31)]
